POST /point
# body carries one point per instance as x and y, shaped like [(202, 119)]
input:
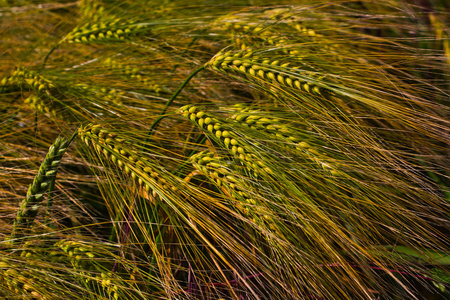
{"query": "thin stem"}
[(48, 55), (174, 96)]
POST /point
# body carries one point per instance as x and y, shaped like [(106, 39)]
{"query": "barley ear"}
[(255, 120), (249, 65), (217, 169), (121, 153), (42, 183), (227, 138)]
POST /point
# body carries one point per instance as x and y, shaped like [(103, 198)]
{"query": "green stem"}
[(48, 55), (114, 232), (174, 96), (161, 232)]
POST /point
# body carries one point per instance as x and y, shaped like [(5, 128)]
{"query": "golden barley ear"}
[(227, 138), (121, 153), (39, 104), (221, 172), (105, 29), (256, 120), (19, 282), (257, 68), (29, 78)]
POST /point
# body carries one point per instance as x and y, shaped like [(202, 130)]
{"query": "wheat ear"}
[(43, 182), (41, 99), (255, 35), (85, 261), (135, 74), (37, 103), (89, 7)]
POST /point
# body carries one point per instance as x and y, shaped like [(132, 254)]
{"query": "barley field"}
[(235, 149)]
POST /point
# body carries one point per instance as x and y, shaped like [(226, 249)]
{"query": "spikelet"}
[(254, 119), (227, 138), (250, 66), (213, 167), (122, 154), (41, 183)]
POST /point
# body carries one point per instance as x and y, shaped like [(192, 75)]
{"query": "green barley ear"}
[(42, 183)]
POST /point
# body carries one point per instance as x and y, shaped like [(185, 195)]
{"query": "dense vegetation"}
[(238, 149)]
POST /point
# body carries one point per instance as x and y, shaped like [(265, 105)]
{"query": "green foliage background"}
[(224, 149)]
